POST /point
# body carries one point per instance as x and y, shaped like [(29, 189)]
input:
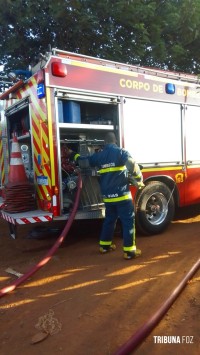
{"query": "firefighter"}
[(116, 167)]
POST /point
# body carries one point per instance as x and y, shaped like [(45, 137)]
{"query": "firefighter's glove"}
[(140, 185), (132, 181)]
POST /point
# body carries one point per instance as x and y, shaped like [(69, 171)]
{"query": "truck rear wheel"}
[(154, 208)]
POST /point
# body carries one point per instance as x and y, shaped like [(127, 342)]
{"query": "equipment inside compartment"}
[(90, 195)]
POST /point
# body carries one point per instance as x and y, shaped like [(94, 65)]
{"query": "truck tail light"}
[(47, 205), (56, 191), (58, 69)]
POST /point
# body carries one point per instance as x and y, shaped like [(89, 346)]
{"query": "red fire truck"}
[(72, 100)]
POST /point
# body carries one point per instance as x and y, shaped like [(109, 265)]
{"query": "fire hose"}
[(140, 335), (53, 249)]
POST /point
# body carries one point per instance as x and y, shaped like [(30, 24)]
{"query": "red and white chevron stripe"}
[(15, 219)]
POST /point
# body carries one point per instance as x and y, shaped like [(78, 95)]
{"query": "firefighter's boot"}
[(107, 248), (132, 254)]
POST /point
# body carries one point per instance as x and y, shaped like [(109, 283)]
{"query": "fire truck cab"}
[(72, 100)]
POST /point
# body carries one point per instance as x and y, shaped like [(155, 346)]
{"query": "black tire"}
[(155, 208)]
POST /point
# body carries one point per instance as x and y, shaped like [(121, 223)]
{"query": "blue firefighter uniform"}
[(114, 164)]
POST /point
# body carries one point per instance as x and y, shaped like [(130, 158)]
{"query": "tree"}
[(158, 33)]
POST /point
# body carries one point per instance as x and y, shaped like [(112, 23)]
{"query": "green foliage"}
[(158, 33)]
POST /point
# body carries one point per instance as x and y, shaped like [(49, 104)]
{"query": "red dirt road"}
[(91, 304)]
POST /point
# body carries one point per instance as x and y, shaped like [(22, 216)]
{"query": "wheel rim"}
[(156, 209)]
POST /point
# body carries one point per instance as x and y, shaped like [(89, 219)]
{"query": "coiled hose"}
[(140, 335), (53, 249)]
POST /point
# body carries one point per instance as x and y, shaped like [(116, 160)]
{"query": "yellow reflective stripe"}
[(76, 156), (102, 242), (152, 169), (138, 176), (51, 140), (110, 170), (132, 248), (116, 199)]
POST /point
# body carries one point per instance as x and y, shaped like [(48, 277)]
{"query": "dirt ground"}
[(92, 304)]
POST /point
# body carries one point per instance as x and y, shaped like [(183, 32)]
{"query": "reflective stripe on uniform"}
[(138, 176), (132, 248), (116, 199), (102, 242), (111, 169), (76, 156)]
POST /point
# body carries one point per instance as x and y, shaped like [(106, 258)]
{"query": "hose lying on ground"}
[(139, 336), (53, 249)]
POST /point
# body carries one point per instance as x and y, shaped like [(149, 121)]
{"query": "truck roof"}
[(136, 68)]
